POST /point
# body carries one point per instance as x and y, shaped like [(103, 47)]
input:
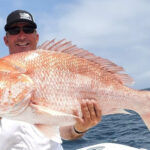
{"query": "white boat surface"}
[(110, 146)]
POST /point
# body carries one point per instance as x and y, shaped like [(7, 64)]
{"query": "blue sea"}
[(126, 129)]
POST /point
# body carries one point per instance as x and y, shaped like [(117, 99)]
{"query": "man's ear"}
[(6, 40), (37, 38)]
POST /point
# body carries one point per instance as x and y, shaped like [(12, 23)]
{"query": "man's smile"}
[(22, 44)]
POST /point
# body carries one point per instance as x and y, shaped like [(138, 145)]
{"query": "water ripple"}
[(122, 129)]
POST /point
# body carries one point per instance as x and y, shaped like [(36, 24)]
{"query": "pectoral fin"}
[(51, 117)]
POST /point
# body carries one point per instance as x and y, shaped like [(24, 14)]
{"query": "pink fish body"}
[(46, 86)]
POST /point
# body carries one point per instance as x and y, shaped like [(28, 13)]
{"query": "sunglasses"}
[(16, 30)]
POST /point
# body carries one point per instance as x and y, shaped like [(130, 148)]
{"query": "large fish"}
[(46, 86)]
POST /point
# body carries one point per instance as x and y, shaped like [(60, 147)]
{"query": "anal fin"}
[(117, 111)]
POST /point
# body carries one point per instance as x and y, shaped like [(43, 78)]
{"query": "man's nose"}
[(21, 35)]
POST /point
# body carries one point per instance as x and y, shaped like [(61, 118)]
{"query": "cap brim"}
[(7, 26)]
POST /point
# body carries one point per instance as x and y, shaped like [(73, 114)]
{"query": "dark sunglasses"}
[(16, 30)]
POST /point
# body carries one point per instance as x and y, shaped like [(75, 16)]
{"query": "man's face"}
[(22, 41)]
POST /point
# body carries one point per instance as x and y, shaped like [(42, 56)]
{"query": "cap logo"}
[(25, 16)]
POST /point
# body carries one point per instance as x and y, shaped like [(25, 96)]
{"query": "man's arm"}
[(91, 117)]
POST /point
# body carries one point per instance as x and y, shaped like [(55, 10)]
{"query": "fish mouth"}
[(17, 108)]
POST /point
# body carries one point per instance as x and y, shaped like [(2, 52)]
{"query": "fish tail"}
[(146, 119), (145, 109)]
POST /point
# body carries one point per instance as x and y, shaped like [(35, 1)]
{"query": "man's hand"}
[(91, 115)]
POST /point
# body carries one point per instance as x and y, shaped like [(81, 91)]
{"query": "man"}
[(21, 35)]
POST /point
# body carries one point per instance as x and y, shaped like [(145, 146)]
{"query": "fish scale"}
[(58, 77)]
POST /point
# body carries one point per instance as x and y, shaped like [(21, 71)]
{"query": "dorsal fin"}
[(64, 46)]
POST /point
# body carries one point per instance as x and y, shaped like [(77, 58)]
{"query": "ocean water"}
[(122, 129)]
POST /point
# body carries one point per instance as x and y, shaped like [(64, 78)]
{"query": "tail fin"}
[(146, 119), (144, 112)]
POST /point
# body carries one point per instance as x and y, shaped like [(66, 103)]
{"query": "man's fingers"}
[(91, 115), (91, 109), (94, 112), (97, 111), (85, 110)]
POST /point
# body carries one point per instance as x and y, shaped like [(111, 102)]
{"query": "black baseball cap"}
[(19, 16)]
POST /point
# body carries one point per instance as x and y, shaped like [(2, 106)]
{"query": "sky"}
[(118, 30)]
